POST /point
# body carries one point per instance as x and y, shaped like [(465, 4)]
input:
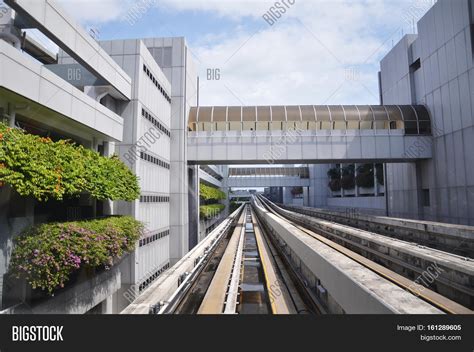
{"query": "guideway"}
[(372, 252), (265, 259)]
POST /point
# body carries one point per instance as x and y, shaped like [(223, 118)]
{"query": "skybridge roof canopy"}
[(415, 119)]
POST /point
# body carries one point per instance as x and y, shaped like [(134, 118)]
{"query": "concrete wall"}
[(142, 135), (173, 57), (445, 83), (370, 205), (318, 191)]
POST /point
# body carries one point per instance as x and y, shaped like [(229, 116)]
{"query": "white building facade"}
[(436, 68)]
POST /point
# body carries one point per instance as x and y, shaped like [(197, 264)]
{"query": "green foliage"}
[(234, 206), (38, 167), (48, 254), (348, 177), (296, 191), (334, 173), (211, 193), (210, 211), (335, 185), (365, 176)]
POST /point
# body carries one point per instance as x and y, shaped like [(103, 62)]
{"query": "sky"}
[(316, 52)]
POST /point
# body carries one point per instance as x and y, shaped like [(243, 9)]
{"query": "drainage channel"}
[(253, 298)]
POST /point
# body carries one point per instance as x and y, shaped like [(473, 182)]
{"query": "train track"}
[(443, 303), (252, 277)]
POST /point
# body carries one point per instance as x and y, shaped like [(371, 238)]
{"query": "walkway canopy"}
[(413, 119), (301, 172)]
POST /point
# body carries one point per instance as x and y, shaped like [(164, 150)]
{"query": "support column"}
[(193, 206), (306, 196), (287, 196), (226, 189), (107, 305), (12, 120), (419, 190), (318, 191), (376, 186)]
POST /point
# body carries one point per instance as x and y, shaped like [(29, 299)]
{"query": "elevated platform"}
[(308, 134)]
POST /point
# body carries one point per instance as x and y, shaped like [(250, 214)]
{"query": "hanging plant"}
[(296, 191), (334, 173), (348, 177), (335, 185), (47, 255), (210, 193), (365, 176), (38, 167)]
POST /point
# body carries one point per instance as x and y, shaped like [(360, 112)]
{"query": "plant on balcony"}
[(211, 193), (296, 191), (379, 174), (47, 255), (348, 177), (234, 206), (335, 185), (365, 176), (38, 167), (207, 212), (334, 175)]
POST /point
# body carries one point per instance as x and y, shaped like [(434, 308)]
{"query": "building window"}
[(147, 281), (153, 238), (154, 160), (155, 122), (426, 198), (415, 66), (156, 83), (154, 199)]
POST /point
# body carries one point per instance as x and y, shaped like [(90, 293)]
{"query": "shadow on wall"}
[(16, 214)]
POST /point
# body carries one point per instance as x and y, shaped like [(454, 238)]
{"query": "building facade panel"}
[(446, 60)]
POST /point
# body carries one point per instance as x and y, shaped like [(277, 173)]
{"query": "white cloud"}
[(304, 58), (96, 11), (309, 57)]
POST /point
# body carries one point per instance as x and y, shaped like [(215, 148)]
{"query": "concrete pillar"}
[(12, 119), (107, 305), (306, 196), (355, 175), (318, 191), (109, 149), (419, 190), (376, 186), (225, 188), (193, 206), (287, 196)]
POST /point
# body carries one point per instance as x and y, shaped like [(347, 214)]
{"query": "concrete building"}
[(139, 99), (82, 103), (125, 97), (435, 68), (212, 176)]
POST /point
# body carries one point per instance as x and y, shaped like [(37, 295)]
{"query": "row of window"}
[(154, 199), (155, 82), (153, 238), (155, 122), (153, 277), (154, 160), (410, 127)]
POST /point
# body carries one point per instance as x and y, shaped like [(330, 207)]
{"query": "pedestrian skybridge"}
[(297, 176), (308, 134)]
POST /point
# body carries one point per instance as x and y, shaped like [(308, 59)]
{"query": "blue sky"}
[(318, 52)]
